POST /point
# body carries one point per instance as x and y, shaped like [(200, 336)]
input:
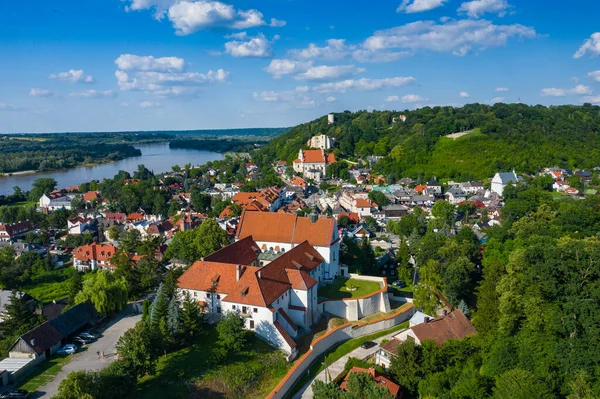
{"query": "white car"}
[(67, 350), (88, 335)]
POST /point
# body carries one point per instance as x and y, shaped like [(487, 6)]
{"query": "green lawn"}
[(50, 286), (337, 353), (44, 373), (557, 196), (24, 203), (196, 372), (405, 292), (339, 288)]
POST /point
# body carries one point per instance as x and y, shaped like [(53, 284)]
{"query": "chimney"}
[(32, 342), (259, 274), (426, 320), (238, 272)]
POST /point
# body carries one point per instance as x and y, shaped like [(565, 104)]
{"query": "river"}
[(156, 157)]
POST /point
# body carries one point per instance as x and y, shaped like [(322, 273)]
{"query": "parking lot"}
[(88, 359)]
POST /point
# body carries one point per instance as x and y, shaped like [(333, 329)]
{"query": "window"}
[(233, 307), (244, 310), (255, 310), (218, 296), (252, 324), (278, 301), (218, 309), (195, 294)]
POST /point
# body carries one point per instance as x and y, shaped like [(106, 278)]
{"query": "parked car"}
[(88, 335), (80, 341), (16, 394), (399, 284), (68, 349), (84, 339), (368, 344)]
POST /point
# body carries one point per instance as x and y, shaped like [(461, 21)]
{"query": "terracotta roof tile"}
[(453, 326), (285, 228), (290, 341), (242, 252), (98, 252)]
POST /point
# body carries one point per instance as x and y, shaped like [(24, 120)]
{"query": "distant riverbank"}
[(156, 157)]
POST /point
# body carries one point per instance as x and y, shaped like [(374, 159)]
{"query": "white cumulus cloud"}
[(412, 6), (497, 100), (127, 62), (594, 75), (412, 98), (553, 92), (327, 72), (149, 104), (36, 92), (591, 99), (191, 16), (283, 66), (590, 46), (164, 76), (331, 99), (258, 46), (335, 49), (581, 89), (458, 37), (464, 94), (501, 89), (477, 8), (296, 98), (94, 94), (73, 75), (363, 84), (391, 99)]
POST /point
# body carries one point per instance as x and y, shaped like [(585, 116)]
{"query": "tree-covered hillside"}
[(504, 136)]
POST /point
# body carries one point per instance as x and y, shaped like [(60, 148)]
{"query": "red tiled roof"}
[(256, 286), (379, 378), (290, 341), (17, 229), (420, 188), (91, 195), (98, 252), (453, 326), (118, 217), (135, 217), (362, 203), (242, 252), (352, 216), (316, 156), (284, 228)]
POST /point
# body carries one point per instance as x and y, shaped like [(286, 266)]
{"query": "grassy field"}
[(44, 373), (556, 196), (52, 285), (339, 288), (23, 203), (195, 372)]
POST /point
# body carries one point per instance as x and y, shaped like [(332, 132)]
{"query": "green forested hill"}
[(505, 136)]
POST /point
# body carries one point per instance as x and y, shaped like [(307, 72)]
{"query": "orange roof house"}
[(261, 201), (91, 195), (453, 326), (420, 188), (379, 378), (93, 256), (312, 163), (286, 228)]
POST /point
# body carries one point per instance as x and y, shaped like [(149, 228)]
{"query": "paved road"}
[(88, 360), (337, 367)]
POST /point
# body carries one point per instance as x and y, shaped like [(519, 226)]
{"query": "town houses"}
[(313, 164), (275, 297)]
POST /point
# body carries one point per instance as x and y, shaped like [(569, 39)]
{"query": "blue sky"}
[(116, 65)]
